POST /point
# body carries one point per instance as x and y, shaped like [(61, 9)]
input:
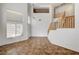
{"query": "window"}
[(14, 23), (14, 30), (40, 10), (10, 30), (19, 29)]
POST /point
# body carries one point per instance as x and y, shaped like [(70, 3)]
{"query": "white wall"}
[(40, 28), (51, 12), (1, 23), (20, 7), (68, 38), (77, 15), (67, 8)]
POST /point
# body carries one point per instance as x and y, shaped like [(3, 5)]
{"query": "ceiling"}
[(45, 5)]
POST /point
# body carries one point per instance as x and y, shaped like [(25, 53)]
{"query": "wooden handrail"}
[(69, 22), (66, 22)]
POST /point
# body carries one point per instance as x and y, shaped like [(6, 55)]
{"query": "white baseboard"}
[(39, 36)]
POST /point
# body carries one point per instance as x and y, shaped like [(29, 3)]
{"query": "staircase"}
[(66, 22)]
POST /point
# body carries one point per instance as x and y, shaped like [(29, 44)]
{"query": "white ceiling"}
[(45, 5)]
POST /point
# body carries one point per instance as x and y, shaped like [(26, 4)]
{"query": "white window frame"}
[(16, 23)]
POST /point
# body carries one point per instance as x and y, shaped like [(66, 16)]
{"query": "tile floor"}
[(35, 46)]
